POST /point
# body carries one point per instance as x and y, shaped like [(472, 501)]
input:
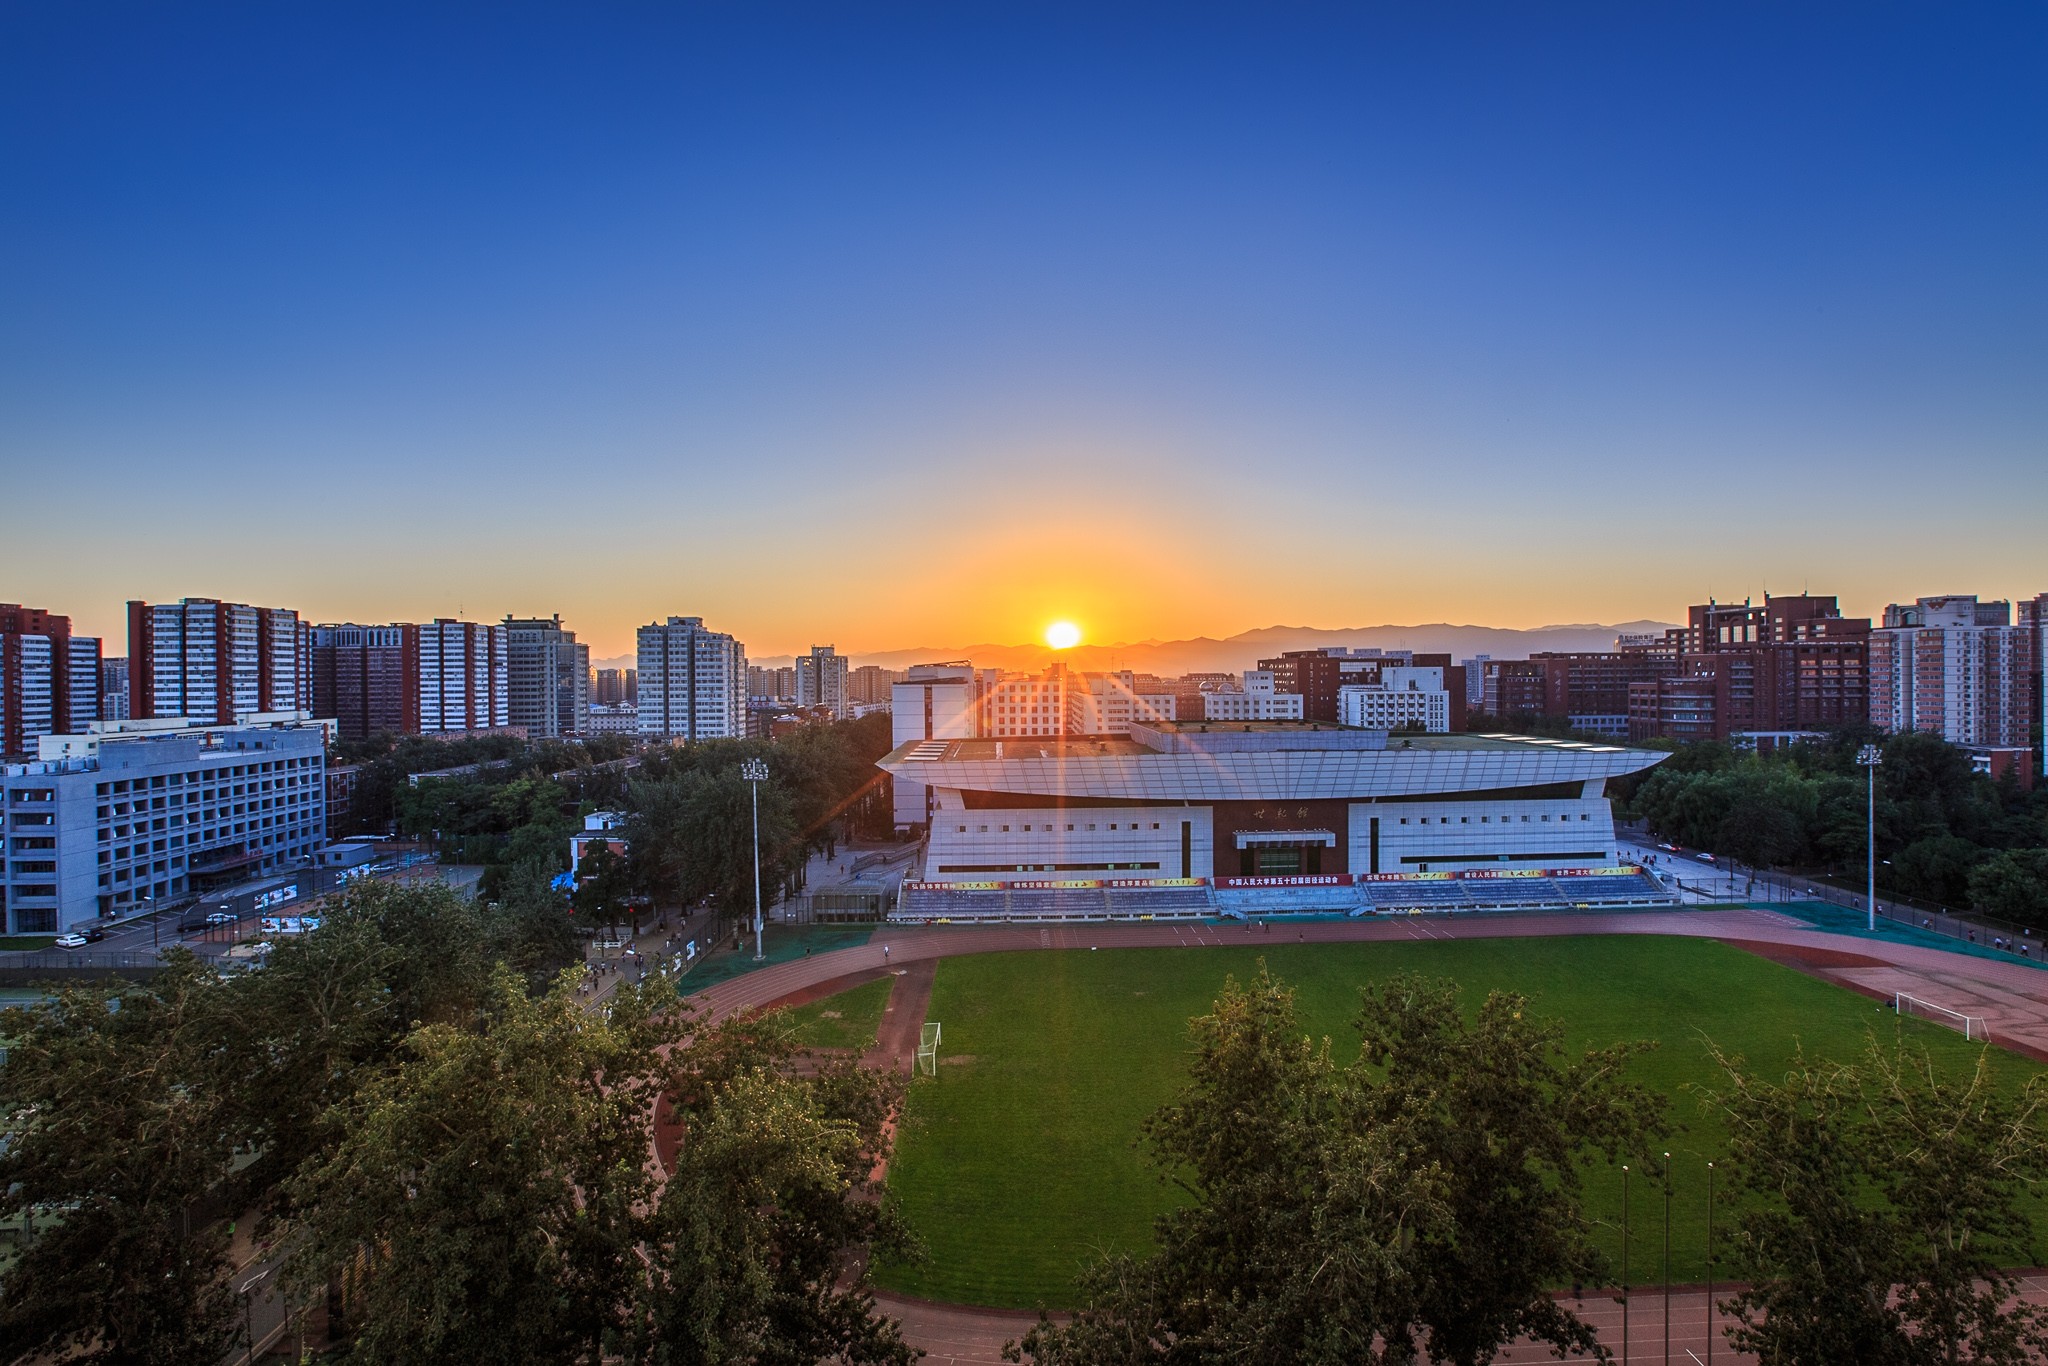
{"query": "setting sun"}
[(1063, 635)]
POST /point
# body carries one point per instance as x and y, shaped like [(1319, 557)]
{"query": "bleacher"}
[(1253, 902), (924, 903)]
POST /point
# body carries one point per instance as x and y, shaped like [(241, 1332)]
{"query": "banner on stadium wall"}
[(1156, 882), (1295, 880), (1504, 872), (952, 886), (1046, 884)]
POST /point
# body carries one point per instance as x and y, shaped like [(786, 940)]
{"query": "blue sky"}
[(901, 325)]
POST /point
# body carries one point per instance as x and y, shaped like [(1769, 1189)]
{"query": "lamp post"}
[(755, 771), (1624, 1264), (1710, 1264), (1667, 1259), (1868, 758)]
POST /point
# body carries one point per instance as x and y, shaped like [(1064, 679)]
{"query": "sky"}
[(904, 324)]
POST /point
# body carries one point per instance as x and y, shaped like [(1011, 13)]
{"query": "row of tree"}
[(1421, 1200), (690, 812), (1945, 833), (462, 1165)]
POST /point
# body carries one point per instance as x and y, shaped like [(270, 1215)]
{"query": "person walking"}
[(885, 953)]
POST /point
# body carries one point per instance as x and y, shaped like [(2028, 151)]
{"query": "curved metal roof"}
[(1277, 775)]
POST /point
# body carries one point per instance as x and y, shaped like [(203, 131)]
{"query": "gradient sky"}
[(925, 324)]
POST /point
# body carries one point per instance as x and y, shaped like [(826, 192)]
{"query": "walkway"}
[(2011, 997)]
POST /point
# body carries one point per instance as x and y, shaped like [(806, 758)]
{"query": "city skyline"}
[(936, 327)]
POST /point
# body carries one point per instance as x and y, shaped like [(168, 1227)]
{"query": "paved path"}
[(2011, 997)]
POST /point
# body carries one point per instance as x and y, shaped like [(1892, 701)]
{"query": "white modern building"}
[(1404, 696), (693, 682), (821, 681), (547, 678), (934, 702), (156, 812), (1258, 699)]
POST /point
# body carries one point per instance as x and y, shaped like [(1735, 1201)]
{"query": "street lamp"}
[(1868, 758), (755, 771)]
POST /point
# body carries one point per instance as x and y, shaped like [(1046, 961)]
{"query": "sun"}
[(1063, 635)]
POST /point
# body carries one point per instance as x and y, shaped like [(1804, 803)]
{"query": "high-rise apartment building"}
[(201, 659), (49, 678), (114, 688), (1958, 668), (934, 702), (1793, 664), (693, 682), (359, 679), (547, 678), (821, 681), (617, 687), (440, 678), (1589, 688), (871, 683), (459, 675)]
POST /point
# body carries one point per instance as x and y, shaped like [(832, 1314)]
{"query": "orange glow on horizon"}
[(1063, 635)]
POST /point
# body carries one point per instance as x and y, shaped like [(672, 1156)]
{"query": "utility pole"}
[(755, 772), (1869, 757)]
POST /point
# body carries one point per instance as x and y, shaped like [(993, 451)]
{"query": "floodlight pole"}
[(1870, 758), (756, 772)]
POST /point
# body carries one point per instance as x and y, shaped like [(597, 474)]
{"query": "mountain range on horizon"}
[(1232, 654)]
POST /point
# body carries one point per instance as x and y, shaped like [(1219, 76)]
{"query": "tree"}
[(487, 1185), (1422, 1198), (2014, 886), (1882, 1205), (112, 1134)]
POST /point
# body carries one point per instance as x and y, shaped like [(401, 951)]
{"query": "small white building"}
[(1405, 695)]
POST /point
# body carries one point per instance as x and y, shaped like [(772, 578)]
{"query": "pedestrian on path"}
[(885, 953)]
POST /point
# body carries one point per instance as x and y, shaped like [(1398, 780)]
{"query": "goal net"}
[(928, 1048), (1973, 1026)]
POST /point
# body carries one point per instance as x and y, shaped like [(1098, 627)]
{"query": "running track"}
[(2011, 997)]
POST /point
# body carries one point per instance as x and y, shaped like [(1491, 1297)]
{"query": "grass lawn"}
[(26, 941), (1017, 1163), (848, 1020)]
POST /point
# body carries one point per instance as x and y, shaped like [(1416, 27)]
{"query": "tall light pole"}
[(1869, 757), (755, 771)]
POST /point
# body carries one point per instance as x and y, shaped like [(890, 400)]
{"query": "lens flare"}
[(1063, 635)]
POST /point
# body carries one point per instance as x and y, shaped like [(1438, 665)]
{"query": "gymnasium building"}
[(1195, 818)]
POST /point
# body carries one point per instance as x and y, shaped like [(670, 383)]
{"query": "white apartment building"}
[(1259, 699), (1405, 695), (821, 681), (155, 811), (201, 659), (1108, 704), (1955, 667), (693, 682), (464, 677)]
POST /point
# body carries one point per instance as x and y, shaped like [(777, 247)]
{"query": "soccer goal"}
[(1973, 1026), (928, 1048)]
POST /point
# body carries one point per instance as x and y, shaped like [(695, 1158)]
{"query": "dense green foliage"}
[(429, 1116), (1939, 825), (1415, 1196), (1017, 1164), (1884, 1206)]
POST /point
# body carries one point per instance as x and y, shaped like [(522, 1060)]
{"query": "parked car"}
[(70, 941), (1704, 858), (222, 918)]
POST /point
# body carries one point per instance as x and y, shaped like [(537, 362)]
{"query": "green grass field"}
[(848, 1020), (1018, 1164)]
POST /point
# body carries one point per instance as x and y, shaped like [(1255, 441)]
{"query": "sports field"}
[(848, 1020), (1017, 1163)]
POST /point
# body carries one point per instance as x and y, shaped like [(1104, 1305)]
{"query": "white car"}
[(71, 941)]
